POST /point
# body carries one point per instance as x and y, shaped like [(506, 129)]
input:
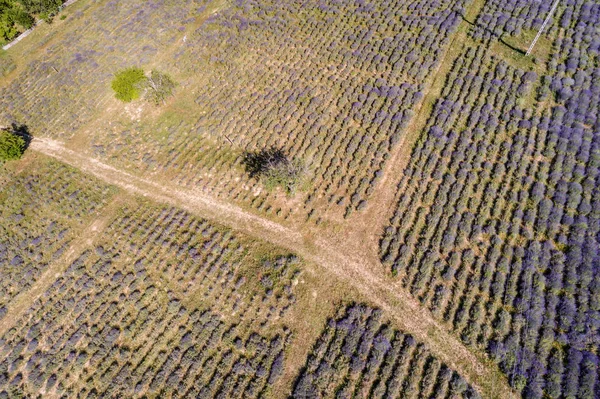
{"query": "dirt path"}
[(379, 207), (20, 304), (351, 269)]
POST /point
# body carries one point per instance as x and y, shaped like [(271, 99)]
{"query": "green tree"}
[(14, 18), (22, 18), (12, 145), (160, 87), (128, 83), (43, 8), (8, 30)]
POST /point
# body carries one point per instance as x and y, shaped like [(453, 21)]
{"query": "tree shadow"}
[(258, 162), (22, 131), (491, 32)]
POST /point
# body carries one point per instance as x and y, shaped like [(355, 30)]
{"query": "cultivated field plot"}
[(161, 303), (452, 187), (497, 222), (358, 355), (333, 84), (41, 213)]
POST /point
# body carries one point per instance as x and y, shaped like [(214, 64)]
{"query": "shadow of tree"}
[(273, 167), (259, 162), (22, 131), (494, 34)]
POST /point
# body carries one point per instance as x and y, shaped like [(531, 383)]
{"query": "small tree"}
[(128, 83), (160, 86), (274, 169), (12, 145)]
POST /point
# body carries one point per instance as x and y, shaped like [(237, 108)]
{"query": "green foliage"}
[(160, 87), (274, 169), (19, 15), (42, 7), (8, 29), (128, 83), (12, 146)]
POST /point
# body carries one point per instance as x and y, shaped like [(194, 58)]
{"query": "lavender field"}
[(335, 198)]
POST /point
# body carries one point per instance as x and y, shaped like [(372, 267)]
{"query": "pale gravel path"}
[(351, 269)]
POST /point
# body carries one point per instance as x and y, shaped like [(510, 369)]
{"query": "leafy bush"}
[(12, 146), (274, 169), (128, 83)]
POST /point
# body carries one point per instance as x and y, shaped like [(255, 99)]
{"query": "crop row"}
[(497, 222), (40, 212), (358, 355), (199, 260), (106, 328)]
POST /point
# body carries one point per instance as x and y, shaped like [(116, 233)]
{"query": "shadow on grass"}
[(259, 162), (21, 131), (500, 38)]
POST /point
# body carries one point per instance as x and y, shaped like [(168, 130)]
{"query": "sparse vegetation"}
[(160, 86), (7, 63)]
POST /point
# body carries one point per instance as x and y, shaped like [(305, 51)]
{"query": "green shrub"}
[(12, 146), (22, 18), (128, 83)]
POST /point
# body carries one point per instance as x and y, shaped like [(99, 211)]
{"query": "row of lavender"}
[(497, 225), (115, 322), (200, 260), (40, 213), (333, 83), (359, 356), (105, 328)]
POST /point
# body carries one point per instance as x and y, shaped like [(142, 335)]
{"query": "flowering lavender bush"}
[(359, 355), (116, 317), (496, 224)]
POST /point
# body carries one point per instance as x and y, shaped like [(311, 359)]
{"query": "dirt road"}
[(349, 268)]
